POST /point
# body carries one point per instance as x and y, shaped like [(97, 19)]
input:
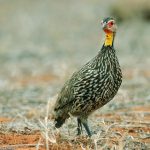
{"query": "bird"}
[(93, 85)]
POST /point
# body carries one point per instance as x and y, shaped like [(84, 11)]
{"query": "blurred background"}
[(42, 42)]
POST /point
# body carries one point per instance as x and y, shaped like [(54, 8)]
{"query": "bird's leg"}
[(79, 129), (85, 124), (87, 129)]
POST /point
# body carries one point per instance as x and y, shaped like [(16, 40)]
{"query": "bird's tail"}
[(59, 122)]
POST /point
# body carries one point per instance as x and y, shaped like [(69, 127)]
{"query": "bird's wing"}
[(73, 87), (77, 85), (66, 96)]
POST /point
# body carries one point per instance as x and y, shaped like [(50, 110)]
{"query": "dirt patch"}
[(31, 142), (4, 120), (15, 139), (141, 108), (36, 79), (131, 73)]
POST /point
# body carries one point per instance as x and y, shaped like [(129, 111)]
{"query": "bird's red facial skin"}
[(110, 24)]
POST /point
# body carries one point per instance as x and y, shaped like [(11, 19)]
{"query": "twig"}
[(38, 144), (46, 125)]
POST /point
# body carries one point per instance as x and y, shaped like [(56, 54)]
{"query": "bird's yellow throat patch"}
[(109, 39)]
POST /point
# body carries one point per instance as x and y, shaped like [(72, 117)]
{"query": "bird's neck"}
[(109, 39)]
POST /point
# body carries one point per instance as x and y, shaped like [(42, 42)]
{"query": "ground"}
[(41, 45), (119, 129)]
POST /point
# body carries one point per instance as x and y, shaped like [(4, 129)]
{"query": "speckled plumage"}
[(91, 87)]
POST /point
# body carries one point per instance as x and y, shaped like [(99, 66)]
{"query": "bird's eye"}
[(111, 23)]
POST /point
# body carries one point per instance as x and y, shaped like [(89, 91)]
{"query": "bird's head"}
[(109, 25)]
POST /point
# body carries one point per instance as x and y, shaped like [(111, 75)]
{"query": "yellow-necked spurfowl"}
[(92, 86)]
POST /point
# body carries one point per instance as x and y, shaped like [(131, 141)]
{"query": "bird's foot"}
[(84, 123)]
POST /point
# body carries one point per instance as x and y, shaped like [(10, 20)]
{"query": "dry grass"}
[(41, 45)]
